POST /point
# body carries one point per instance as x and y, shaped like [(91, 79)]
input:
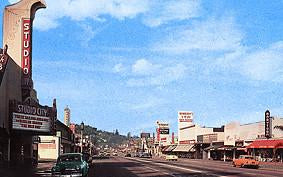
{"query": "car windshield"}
[(69, 158)]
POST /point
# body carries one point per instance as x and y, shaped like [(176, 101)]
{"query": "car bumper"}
[(66, 175)]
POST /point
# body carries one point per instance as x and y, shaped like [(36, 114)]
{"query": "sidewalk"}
[(21, 170)]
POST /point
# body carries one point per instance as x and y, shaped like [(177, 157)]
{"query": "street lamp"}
[(82, 128)]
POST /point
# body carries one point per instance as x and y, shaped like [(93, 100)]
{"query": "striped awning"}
[(184, 148)]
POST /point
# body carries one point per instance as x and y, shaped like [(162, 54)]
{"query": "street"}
[(155, 167), (121, 167)]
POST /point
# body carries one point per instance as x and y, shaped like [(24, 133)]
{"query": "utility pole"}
[(82, 128)]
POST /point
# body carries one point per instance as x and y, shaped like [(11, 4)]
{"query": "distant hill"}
[(102, 138)]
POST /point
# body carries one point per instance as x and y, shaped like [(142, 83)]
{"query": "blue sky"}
[(126, 63)]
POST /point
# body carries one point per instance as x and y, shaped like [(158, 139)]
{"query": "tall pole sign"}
[(267, 124)]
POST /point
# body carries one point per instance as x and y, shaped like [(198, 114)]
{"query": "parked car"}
[(145, 155), (128, 155), (171, 157), (137, 154), (246, 161), (87, 158), (70, 164)]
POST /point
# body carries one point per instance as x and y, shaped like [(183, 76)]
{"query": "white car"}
[(171, 157)]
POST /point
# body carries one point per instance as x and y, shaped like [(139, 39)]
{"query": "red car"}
[(246, 161)]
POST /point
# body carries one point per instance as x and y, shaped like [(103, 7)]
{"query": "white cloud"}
[(155, 75), (165, 11), (88, 33), (79, 10), (154, 13), (119, 68), (255, 64), (144, 67), (13, 1), (265, 65), (149, 102), (210, 35)]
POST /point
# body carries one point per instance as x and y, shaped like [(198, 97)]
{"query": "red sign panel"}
[(26, 49), (158, 134)]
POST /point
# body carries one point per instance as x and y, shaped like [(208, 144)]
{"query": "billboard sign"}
[(185, 116)]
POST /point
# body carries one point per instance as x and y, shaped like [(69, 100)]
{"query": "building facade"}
[(21, 116)]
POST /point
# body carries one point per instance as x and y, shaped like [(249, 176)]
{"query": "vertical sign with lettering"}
[(3, 62), (26, 51), (267, 124)]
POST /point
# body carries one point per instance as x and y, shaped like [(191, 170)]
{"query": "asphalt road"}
[(137, 167)]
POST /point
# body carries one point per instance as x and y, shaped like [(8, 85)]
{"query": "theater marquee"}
[(32, 118)]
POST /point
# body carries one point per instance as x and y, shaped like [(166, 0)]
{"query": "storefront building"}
[(50, 147), (267, 150), (21, 116)]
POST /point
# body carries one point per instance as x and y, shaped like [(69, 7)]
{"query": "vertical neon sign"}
[(26, 49)]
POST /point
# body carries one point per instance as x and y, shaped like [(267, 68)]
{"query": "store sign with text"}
[(185, 116), (164, 131)]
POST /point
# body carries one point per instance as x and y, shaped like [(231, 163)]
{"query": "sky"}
[(123, 64)]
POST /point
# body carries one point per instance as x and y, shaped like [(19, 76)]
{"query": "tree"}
[(129, 135), (116, 132), (280, 127)]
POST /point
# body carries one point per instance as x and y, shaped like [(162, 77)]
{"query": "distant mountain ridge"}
[(102, 138)]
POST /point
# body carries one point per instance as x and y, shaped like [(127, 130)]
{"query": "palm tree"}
[(280, 127)]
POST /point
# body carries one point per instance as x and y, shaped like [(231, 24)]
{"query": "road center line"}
[(172, 166)]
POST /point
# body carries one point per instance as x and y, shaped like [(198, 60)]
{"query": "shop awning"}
[(242, 148), (226, 148), (165, 148), (212, 147), (184, 148), (171, 148), (265, 144)]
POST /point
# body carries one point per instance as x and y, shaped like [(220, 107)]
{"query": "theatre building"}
[(22, 118)]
